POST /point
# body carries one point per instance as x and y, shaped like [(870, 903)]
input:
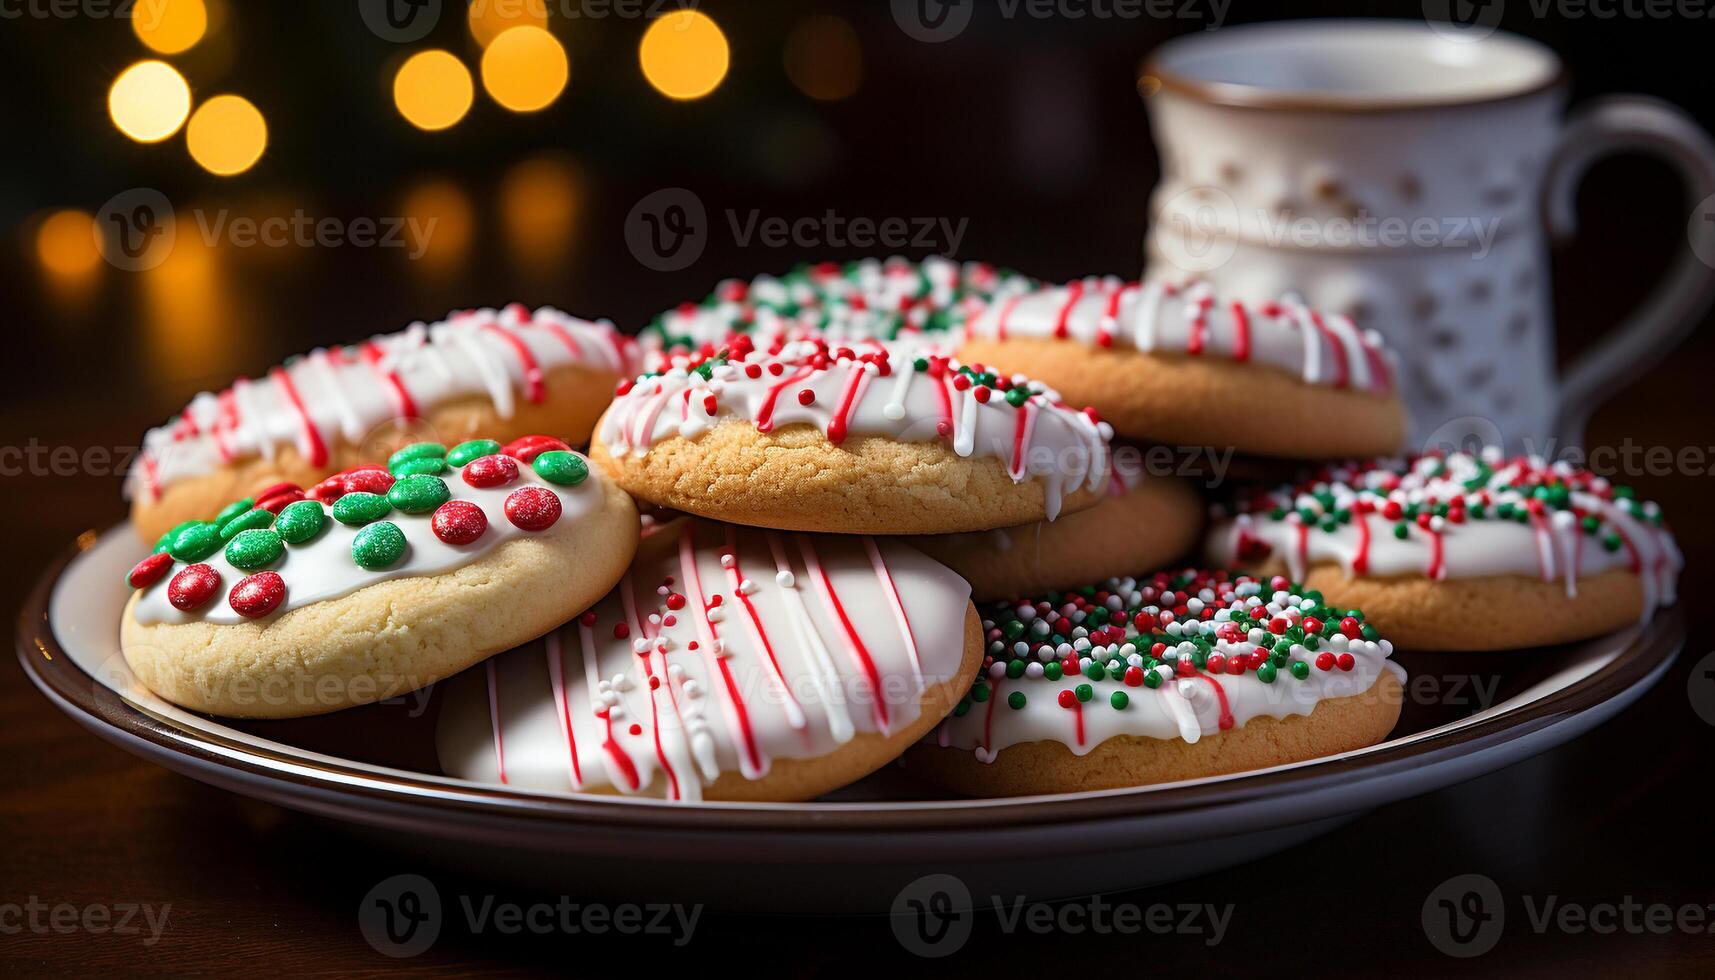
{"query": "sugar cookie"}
[(1462, 551), (1171, 364), (866, 441), (1176, 676), (496, 373), (378, 581), (729, 664)]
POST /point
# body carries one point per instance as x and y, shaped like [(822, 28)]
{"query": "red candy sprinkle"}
[(532, 508), (1346, 661), (277, 488), (675, 601), (193, 587), (275, 503), (368, 479), (587, 619), (1133, 676), (459, 522), (1068, 699), (257, 595), (1351, 627), (149, 571), (806, 396), (491, 471), (527, 448), (1324, 661)]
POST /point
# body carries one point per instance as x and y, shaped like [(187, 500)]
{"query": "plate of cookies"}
[(868, 569)]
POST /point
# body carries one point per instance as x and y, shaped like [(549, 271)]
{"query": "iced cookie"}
[(864, 440), (1171, 677), (872, 299), (1461, 551), (729, 664), (1143, 522), (378, 581), (1175, 365), (495, 373)]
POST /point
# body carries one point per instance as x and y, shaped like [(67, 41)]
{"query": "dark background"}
[(954, 130)]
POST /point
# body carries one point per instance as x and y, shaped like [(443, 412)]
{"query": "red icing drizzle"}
[(557, 680), (854, 643), (736, 575), (1062, 323), (1241, 333), (316, 449), (533, 387), (372, 355), (1342, 369), (694, 592), (494, 718)]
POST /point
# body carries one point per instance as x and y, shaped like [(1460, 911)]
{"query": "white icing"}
[(1190, 321), (322, 568), (878, 299), (1064, 448), (1550, 546), (347, 392), (1184, 706), (537, 708)]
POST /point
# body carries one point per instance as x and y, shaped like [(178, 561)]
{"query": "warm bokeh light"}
[(488, 18), (65, 244), (149, 101), (226, 135), (684, 54), (169, 26), (433, 90), (538, 209), (525, 69), (823, 58), (441, 222), (189, 307)]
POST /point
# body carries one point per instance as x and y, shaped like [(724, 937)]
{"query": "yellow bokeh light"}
[(149, 101), (169, 26), (65, 244), (525, 69), (433, 90), (226, 135), (440, 222), (823, 58), (538, 209), (488, 18), (684, 54)]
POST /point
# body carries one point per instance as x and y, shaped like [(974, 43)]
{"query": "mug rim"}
[(1246, 95)]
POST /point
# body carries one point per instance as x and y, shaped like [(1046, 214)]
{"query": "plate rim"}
[(341, 791)]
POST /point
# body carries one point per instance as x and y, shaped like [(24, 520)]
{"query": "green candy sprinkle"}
[(360, 508), (250, 520), (1017, 396), (1084, 692), (1015, 700), (467, 452), (195, 543), (233, 509), (417, 494), (980, 693), (299, 522), (1266, 673), (962, 708), (378, 546), (559, 466), (416, 450), (1402, 531), (1015, 669), (1119, 699), (1094, 671), (1052, 670), (1300, 669), (254, 548), (1151, 680), (427, 466)]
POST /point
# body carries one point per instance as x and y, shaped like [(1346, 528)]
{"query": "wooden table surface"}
[(1609, 819)]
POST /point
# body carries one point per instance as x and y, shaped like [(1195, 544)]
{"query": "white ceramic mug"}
[(1409, 178)]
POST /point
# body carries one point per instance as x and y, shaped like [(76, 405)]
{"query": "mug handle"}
[(1605, 126)]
